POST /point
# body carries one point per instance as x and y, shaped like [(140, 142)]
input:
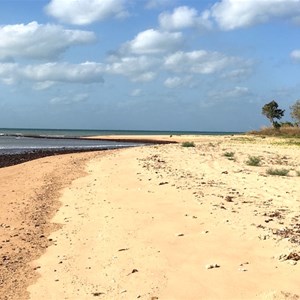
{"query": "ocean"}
[(18, 141)]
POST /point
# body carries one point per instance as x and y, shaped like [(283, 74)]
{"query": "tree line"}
[(272, 111)]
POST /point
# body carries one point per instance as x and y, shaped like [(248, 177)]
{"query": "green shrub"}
[(278, 172), (253, 161), (188, 144)]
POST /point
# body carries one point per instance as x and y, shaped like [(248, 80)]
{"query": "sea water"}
[(28, 140)]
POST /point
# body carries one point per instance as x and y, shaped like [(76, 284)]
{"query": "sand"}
[(156, 222)]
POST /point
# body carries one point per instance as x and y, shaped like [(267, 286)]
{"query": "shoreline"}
[(163, 210), (30, 195), (11, 159)]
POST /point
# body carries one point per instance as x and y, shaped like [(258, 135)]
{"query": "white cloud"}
[(83, 12), (295, 55), (138, 68), (136, 92), (236, 92), (154, 42), (67, 100), (37, 41), (8, 72), (39, 86), (144, 77), (152, 4), (201, 62), (184, 17), (232, 14), (88, 72), (176, 82)]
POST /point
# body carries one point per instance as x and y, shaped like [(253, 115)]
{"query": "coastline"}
[(166, 212), (10, 159)]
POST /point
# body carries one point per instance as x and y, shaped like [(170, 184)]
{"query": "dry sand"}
[(155, 222)]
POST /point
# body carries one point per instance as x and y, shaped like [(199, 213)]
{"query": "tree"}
[(271, 111), (295, 112)]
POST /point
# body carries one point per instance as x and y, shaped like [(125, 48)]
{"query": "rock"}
[(228, 199), (96, 294), (123, 249), (212, 266), (242, 269), (162, 183)]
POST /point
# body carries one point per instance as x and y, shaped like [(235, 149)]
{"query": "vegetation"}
[(295, 112), (283, 131), (272, 112), (298, 173), (253, 161), (229, 154), (188, 144), (278, 172)]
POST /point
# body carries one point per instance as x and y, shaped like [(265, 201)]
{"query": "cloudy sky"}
[(204, 65)]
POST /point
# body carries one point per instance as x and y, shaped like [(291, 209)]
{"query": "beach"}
[(154, 222)]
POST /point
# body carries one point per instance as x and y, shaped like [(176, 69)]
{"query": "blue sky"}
[(205, 65)]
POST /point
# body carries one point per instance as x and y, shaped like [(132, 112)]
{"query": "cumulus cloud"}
[(83, 12), (144, 77), (295, 55), (176, 82), (138, 68), (88, 72), (201, 62), (154, 42), (36, 41), (232, 14), (184, 17)]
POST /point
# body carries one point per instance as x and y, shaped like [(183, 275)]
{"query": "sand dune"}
[(168, 222)]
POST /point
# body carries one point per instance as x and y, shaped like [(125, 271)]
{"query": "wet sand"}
[(155, 222)]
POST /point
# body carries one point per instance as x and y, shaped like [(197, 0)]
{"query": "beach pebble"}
[(242, 269), (282, 257), (212, 266), (228, 199), (162, 183), (264, 237)]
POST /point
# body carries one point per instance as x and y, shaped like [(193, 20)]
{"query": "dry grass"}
[(278, 172), (283, 131)]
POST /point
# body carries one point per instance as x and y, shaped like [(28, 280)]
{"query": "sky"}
[(196, 65)]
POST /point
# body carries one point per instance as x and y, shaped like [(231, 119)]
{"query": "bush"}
[(188, 144), (278, 172), (284, 131), (298, 173), (228, 154), (253, 161)]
